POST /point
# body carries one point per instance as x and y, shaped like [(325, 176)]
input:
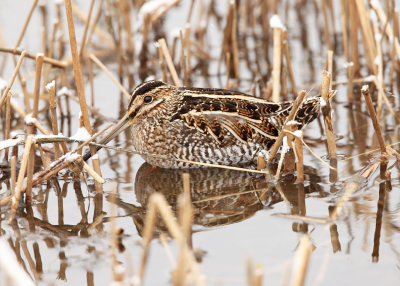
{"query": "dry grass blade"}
[(104, 68), (47, 60), (5, 93), (372, 114), (21, 175), (170, 64)]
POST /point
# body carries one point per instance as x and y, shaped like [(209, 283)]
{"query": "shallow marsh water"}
[(64, 239)]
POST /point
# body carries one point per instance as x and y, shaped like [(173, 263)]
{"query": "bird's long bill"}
[(124, 123)]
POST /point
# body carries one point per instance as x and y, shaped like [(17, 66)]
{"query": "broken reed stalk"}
[(277, 54), (14, 75), (254, 275), (93, 173), (326, 111), (106, 70), (51, 88), (298, 151), (258, 276), (274, 149), (300, 263), (158, 204), (185, 209), (168, 59), (47, 60), (36, 92), (21, 175), (79, 84), (261, 164), (31, 128), (372, 114)]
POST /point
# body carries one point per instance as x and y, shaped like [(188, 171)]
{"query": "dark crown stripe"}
[(145, 88)]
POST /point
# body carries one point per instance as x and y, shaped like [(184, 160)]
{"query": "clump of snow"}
[(43, 136), (81, 135), (275, 22), (174, 33), (348, 64), (285, 145), (29, 119), (154, 6), (322, 102), (377, 60), (71, 157), (292, 122), (9, 143), (50, 85), (65, 91), (364, 88)]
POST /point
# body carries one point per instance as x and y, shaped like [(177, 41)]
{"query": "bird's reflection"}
[(219, 196)]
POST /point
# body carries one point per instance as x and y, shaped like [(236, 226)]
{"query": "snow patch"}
[(29, 119), (9, 143), (81, 135), (275, 22), (348, 64), (65, 91), (51, 85)]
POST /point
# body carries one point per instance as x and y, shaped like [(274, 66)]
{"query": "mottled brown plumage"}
[(205, 125)]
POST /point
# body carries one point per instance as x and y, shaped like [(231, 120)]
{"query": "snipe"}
[(205, 125)]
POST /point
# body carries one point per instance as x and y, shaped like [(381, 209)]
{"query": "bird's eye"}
[(147, 99)]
